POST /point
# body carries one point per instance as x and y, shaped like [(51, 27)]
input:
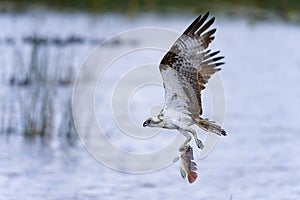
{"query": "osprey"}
[(185, 69)]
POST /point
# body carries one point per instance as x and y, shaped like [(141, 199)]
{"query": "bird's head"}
[(152, 122)]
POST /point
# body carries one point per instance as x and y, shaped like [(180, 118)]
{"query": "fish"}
[(188, 167)]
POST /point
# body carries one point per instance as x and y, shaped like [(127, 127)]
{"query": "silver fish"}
[(188, 166)]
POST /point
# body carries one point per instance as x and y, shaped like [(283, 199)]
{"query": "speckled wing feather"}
[(188, 66)]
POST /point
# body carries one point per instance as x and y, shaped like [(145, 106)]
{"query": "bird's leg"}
[(194, 133), (188, 139), (185, 131)]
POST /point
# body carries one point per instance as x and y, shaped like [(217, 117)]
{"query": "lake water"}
[(257, 160)]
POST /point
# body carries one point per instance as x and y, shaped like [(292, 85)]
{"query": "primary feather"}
[(187, 67)]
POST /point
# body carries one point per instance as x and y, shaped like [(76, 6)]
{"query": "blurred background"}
[(42, 46)]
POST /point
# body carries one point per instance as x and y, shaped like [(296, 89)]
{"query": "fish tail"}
[(192, 176)]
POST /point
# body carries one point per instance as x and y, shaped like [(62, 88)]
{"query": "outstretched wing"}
[(188, 66)]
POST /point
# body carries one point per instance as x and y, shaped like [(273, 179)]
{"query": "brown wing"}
[(193, 63)]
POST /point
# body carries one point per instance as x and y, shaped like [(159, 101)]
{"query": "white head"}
[(154, 122)]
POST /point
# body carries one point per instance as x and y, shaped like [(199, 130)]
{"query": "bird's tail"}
[(211, 126)]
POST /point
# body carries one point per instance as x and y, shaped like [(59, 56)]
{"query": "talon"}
[(202, 146), (199, 144)]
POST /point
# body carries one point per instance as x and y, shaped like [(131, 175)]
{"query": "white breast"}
[(175, 119)]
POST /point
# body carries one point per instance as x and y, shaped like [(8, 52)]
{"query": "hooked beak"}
[(145, 124)]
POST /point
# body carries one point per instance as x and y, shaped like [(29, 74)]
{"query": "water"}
[(258, 160)]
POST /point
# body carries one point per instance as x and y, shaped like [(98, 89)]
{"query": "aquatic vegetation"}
[(35, 103), (288, 10)]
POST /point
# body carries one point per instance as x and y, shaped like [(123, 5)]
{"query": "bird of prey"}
[(185, 69)]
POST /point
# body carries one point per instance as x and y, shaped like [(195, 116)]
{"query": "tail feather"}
[(211, 126)]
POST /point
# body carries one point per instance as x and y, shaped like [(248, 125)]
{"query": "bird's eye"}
[(148, 121)]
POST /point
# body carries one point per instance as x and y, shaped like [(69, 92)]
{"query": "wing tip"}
[(197, 23), (213, 54), (220, 63), (213, 19), (206, 14), (204, 26), (218, 58)]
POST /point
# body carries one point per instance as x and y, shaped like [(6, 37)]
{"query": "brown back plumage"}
[(191, 64)]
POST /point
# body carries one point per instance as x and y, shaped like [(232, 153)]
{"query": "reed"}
[(67, 129), (36, 83)]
